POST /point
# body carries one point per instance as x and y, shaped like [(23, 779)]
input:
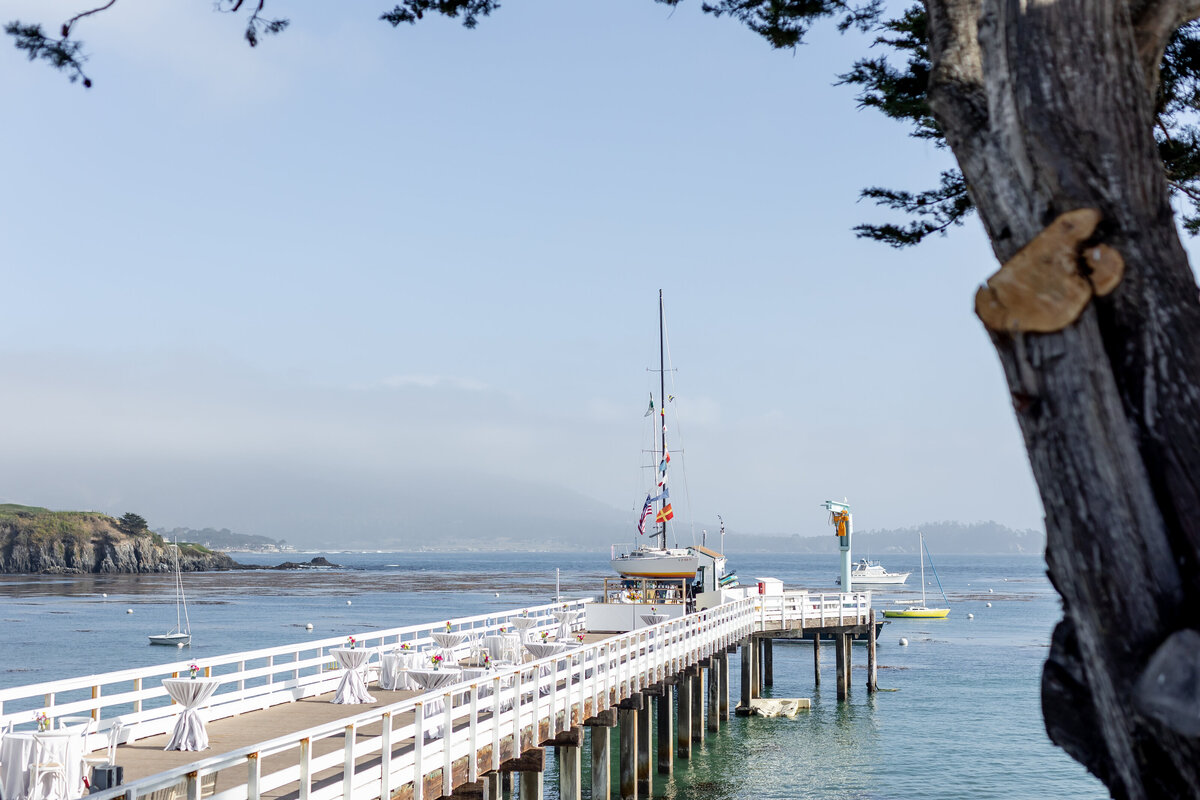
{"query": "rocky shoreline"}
[(36, 541)]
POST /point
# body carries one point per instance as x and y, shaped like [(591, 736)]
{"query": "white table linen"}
[(503, 646), (523, 624), (565, 620), (449, 641), (653, 619), (428, 680), (544, 649), (189, 733), (393, 669), (18, 753), (352, 689)]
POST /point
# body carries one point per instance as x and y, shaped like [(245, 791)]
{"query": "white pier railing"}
[(799, 610), (250, 680), (431, 741)]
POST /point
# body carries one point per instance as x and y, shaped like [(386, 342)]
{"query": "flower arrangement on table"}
[(545, 634), (437, 661), (43, 722), (193, 670), (503, 629), (406, 646), (448, 626), (351, 641), (487, 661), (579, 636)]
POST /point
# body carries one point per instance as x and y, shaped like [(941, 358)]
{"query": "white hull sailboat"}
[(871, 573), (657, 560), (181, 634)]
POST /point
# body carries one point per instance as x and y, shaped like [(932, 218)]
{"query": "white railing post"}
[(419, 753), (253, 777), (348, 765), (385, 757), (473, 737), (447, 755), (554, 696), (517, 712), (496, 689), (305, 768)]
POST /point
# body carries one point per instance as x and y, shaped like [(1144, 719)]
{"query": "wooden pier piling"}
[(697, 676), (872, 686), (714, 694), (645, 745), (601, 780), (756, 667), (627, 728), (666, 732), (570, 772), (841, 650), (683, 721), (725, 686), (768, 661), (531, 787), (816, 658)]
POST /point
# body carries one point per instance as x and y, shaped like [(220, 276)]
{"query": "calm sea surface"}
[(963, 722)]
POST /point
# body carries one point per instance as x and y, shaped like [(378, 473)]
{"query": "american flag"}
[(647, 510)]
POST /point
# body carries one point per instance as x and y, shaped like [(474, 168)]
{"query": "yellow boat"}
[(921, 612), (918, 612)]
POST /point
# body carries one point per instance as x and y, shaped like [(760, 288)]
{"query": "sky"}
[(363, 284)]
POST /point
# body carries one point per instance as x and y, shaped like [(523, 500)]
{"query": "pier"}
[(274, 734)]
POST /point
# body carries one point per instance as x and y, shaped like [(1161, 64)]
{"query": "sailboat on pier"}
[(656, 560)]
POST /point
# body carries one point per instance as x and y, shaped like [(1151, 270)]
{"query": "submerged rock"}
[(320, 562)]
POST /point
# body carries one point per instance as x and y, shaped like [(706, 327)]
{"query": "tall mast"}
[(662, 399), (921, 553)]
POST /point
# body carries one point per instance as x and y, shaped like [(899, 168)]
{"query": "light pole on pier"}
[(843, 526)]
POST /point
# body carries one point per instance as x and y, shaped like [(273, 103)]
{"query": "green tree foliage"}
[(893, 82), (132, 524)]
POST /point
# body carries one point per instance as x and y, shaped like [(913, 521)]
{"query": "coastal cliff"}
[(37, 540)]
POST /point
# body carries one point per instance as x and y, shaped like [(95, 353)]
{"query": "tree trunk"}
[(1047, 107)]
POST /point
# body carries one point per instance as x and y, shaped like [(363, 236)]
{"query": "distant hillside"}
[(977, 538), (226, 539), (37, 540)]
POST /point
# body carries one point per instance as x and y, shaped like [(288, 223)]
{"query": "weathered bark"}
[(1048, 108)]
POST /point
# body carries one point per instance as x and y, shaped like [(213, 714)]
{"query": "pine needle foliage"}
[(893, 81)]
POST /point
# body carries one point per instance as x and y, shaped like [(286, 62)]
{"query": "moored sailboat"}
[(922, 611), (181, 634)]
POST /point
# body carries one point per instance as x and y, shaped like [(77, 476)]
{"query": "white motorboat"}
[(870, 573), (181, 634)]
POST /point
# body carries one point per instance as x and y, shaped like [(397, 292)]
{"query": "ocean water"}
[(963, 721)]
